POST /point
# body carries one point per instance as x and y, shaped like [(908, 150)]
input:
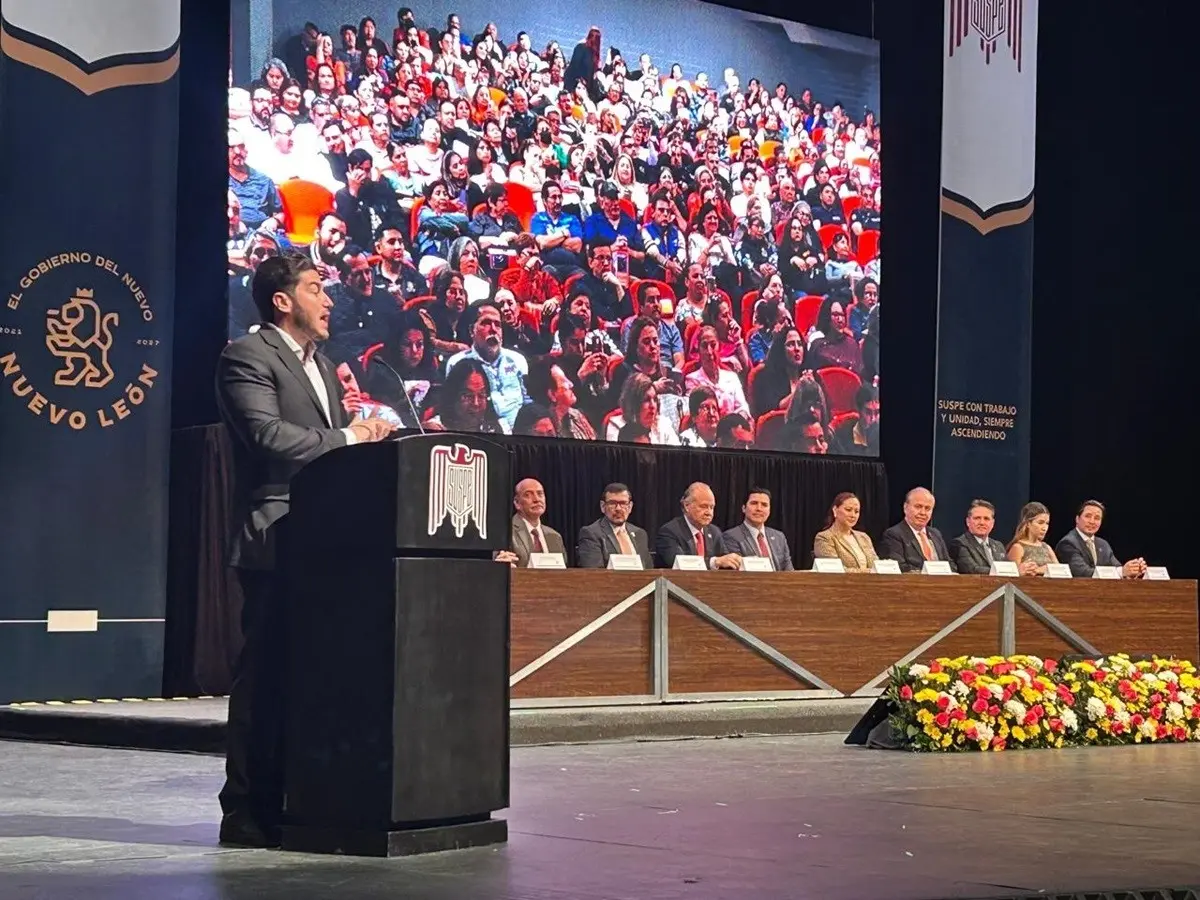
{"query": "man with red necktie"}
[(914, 541), (693, 534), (529, 535), (754, 538)]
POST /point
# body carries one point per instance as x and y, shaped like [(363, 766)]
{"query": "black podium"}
[(397, 719)]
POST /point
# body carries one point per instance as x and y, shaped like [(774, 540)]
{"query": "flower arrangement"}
[(998, 703)]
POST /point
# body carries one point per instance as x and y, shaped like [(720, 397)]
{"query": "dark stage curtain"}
[(203, 605)]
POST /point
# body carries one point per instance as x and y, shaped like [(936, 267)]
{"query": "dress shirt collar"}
[(530, 527), (755, 530), (983, 541), (304, 354), (917, 532), (1083, 537)]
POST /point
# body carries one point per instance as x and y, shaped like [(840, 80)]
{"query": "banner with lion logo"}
[(89, 117)]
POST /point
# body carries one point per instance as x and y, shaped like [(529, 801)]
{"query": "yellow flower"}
[(1018, 733), (925, 695), (983, 745), (924, 716), (1058, 741), (947, 740), (1091, 734), (933, 731), (938, 677)]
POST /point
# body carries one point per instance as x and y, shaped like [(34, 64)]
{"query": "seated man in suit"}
[(754, 538), (612, 532), (975, 550), (914, 541), (1082, 550), (693, 534), (529, 535)]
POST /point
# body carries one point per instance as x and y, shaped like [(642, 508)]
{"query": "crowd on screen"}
[(569, 242), (913, 543)]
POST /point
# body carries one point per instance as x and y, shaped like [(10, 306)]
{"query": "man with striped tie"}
[(914, 541), (754, 538)]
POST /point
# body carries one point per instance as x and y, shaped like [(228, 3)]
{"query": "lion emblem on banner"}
[(80, 335)]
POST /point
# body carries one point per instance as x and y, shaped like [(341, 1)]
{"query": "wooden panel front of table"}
[(583, 637)]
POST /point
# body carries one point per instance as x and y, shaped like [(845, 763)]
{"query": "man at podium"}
[(282, 403)]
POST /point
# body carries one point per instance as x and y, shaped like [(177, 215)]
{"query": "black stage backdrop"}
[(203, 605)]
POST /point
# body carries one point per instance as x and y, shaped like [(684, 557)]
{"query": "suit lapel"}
[(610, 536), (272, 337), (336, 412)]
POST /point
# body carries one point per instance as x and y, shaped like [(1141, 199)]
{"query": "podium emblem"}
[(458, 488)]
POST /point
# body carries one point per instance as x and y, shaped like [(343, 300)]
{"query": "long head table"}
[(594, 637)]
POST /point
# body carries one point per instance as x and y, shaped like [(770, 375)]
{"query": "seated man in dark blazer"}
[(1082, 550), (975, 550), (693, 534), (754, 538), (612, 532), (914, 540)]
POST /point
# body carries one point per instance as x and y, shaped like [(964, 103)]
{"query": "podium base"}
[(401, 842)]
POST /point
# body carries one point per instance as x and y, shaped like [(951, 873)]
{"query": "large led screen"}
[(643, 222)]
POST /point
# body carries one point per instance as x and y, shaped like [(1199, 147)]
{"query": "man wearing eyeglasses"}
[(243, 314), (612, 532)]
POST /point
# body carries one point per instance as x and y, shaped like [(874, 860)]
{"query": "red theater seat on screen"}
[(818, 135), (414, 220), (828, 233), (868, 246), (754, 370), (840, 387), (766, 430), (303, 204), (414, 302), (841, 419), (748, 301), (521, 201), (805, 315), (850, 203)]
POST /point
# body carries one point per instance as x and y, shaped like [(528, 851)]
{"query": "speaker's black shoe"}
[(241, 830)]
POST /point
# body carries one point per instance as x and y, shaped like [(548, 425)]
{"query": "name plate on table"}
[(547, 561), (829, 566), (885, 567), (625, 562), (1106, 572), (1005, 567), (1157, 573), (1058, 570), (690, 563), (937, 567), (756, 564)]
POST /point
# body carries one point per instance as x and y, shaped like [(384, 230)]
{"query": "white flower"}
[(1122, 716), (977, 660), (916, 670), (1187, 700), (1016, 709), (1023, 675), (1095, 708), (959, 689), (996, 690), (984, 732), (1168, 675), (1174, 710), (1148, 728), (1036, 661)]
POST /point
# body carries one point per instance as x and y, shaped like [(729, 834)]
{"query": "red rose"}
[(1136, 720), (1064, 694), (1031, 671), (1050, 665), (1056, 725), (1109, 711), (905, 692), (1118, 728), (957, 714), (1030, 718), (1180, 733), (998, 742), (1008, 693), (1156, 698), (943, 702), (1160, 732), (993, 710), (1196, 711), (942, 719), (981, 668), (967, 676), (935, 666), (1038, 710), (972, 733), (982, 692), (1156, 712), (1098, 675), (979, 706)]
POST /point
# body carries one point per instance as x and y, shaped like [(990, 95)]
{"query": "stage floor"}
[(769, 817)]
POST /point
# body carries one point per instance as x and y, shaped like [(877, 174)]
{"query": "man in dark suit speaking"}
[(975, 550), (1083, 549), (612, 532), (693, 533), (754, 538), (281, 401), (914, 541)]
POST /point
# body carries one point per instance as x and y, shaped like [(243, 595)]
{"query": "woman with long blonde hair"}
[(1028, 547)]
